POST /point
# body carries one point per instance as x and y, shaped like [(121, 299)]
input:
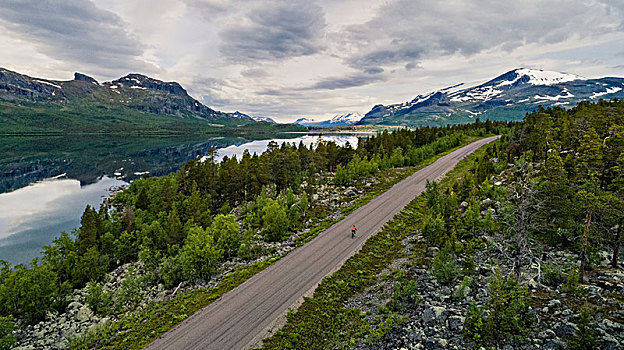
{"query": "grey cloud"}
[(274, 30), (350, 81), (210, 91), (254, 73), (374, 70), (411, 65), (273, 92), (386, 56), (211, 9), (406, 31), (75, 31)]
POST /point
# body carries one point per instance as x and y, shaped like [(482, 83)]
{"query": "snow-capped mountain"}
[(305, 122), (264, 119), (507, 97), (337, 120), (238, 114), (346, 119)]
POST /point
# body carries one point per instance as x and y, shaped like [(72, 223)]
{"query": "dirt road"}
[(243, 316)]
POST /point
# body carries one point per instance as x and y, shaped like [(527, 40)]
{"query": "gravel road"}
[(246, 314)]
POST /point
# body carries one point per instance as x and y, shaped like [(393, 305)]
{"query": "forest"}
[(182, 225), (518, 247)]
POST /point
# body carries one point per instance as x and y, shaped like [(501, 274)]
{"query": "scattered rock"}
[(462, 206), (73, 307), (554, 303), (486, 202), (456, 323), (84, 314), (565, 330)]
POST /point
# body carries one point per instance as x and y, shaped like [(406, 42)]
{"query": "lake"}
[(46, 182)]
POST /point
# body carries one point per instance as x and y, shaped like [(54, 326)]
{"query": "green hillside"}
[(134, 104)]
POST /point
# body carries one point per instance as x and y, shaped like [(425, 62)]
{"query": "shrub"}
[(7, 338), (572, 284), (553, 276), (433, 229), (445, 269), (171, 271), (508, 308), (460, 292), (129, 294), (585, 337), (275, 221), (473, 326), (469, 263), (407, 292), (98, 300)]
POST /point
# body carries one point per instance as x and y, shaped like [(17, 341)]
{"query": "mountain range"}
[(35, 105), (135, 91), (507, 97), (338, 120), (133, 103)]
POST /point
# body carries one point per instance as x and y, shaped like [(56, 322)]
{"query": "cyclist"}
[(353, 229)]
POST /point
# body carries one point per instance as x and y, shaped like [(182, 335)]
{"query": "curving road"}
[(246, 314)]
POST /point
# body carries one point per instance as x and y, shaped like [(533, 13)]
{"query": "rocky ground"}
[(57, 329), (435, 319)]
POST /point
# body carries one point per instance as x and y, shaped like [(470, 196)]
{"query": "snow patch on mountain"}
[(48, 83), (482, 93), (610, 90), (542, 77), (555, 98)]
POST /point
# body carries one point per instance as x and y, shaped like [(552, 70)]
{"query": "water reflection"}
[(32, 216), (25, 160), (69, 173)]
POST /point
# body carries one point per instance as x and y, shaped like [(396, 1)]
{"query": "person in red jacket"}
[(353, 229)]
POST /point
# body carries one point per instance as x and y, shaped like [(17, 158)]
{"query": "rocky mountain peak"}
[(84, 77), (143, 81)]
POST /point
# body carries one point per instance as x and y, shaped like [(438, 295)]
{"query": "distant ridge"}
[(338, 120), (238, 114)]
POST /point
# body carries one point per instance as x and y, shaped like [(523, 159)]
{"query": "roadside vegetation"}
[(182, 226)]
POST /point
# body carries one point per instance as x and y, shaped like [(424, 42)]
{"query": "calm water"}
[(45, 183)]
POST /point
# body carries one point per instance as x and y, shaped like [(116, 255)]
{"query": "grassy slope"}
[(84, 118)]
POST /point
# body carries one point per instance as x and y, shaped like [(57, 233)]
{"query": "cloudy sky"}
[(310, 58)]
